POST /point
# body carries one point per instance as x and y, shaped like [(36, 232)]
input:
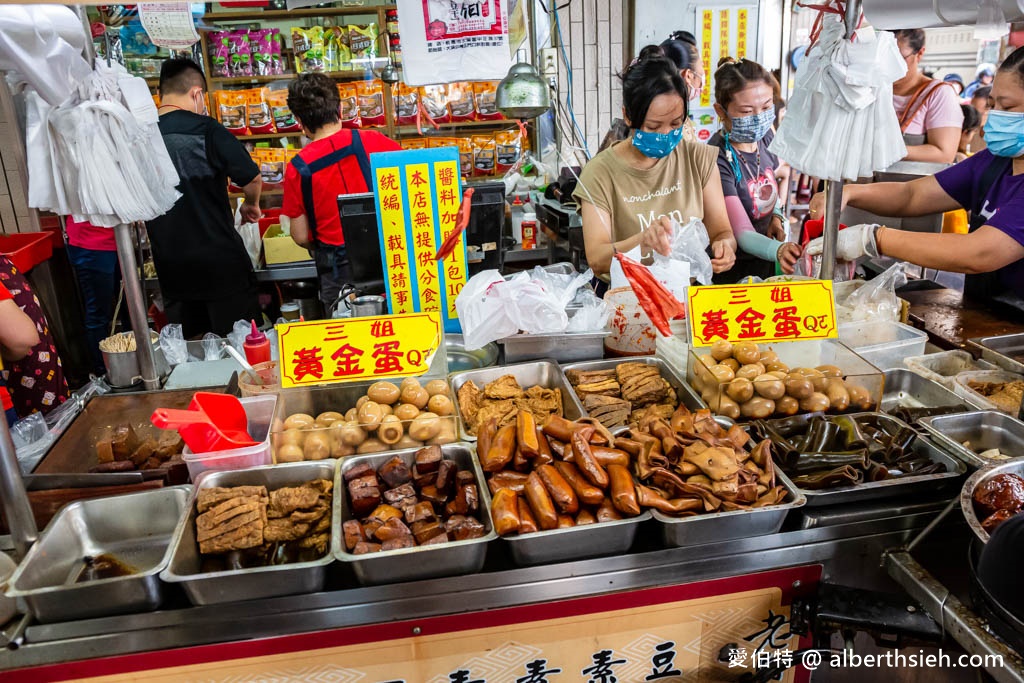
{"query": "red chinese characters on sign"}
[(389, 182), (750, 324), (715, 324), (787, 322), (781, 295), (382, 328), (387, 358), (347, 357), (308, 362)]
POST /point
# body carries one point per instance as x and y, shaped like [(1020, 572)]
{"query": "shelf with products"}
[(312, 12), (244, 80), (429, 130), (270, 136)]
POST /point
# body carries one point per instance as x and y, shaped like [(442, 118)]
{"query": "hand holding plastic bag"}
[(689, 245), (250, 233), (875, 299)]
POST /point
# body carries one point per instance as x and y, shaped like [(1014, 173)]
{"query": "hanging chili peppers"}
[(461, 221), (658, 303)]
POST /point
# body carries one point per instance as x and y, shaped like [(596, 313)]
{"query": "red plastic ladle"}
[(213, 422)]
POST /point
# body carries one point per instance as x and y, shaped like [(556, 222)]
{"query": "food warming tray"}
[(728, 526), (904, 388), (684, 393), (413, 564), (210, 588), (575, 543), (135, 529), (984, 430), (1015, 466), (542, 373)]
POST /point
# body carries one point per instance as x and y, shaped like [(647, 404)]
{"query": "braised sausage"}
[(520, 463), (540, 502), (505, 512), (610, 456), (506, 479), (559, 428), (623, 490), (560, 449), (607, 512), (486, 437), (502, 450), (526, 432), (585, 516), (527, 524), (630, 445), (561, 492), (585, 491), (544, 455), (565, 522), (585, 460)]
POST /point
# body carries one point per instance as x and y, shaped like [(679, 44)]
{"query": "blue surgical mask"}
[(1004, 133), (752, 128), (657, 145)]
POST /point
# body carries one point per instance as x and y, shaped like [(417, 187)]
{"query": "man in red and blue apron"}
[(336, 162)]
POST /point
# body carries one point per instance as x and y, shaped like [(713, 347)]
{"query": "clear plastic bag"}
[(172, 343), (482, 321), (212, 346), (34, 435), (593, 314), (875, 299), (236, 337), (689, 245)]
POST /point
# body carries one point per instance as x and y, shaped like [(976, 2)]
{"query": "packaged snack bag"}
[(220, 54), (391, 17), (484, 94), (349, 106), (258, 111), (271, 161), (261, 42), (337, 54), (370, 97), (362, 41), (407, 104), (483, 155), (240, 63), (413, 143), (276, 61), (395, 48), (435, 100), (465, 157), (308, 46), (460, 101), (231, 110), (508, 147), (284, 121), (435, 142)]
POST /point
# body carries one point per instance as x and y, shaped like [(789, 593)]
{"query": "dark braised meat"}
[(1001, 492)]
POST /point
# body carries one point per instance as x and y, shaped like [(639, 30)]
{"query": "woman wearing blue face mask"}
[(989, 185), (745, 102), (631, 192)]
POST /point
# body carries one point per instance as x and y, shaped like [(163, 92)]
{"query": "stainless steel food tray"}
[(575, 543), (413, 564), (563, 347), (684, 392), (538, 373), (909, 389), (210, 588), (904, 486), (1000, 350), (1015, 466), (984, 429), (135, 528), (715, 527)]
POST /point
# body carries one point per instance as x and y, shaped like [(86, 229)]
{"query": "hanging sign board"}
[(351, 349), (169, 24), (721, 32), (418, 194), (765, 312)]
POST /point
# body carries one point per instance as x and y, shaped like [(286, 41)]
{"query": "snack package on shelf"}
[(407, 103), (508, 148), (486, 110), (271, 162), (362, 41), (395, 48), (276, 58), (337, 53), (261, 43), (370, 97), (258, 112), (284, 120), (349, 106), (231, 110), (289, 154), (308, 46), (483, 155), (240, 60), (435, 142), (435, 100), (220, 54), (391, 17), (413, 143), (465, 156), (460, 101)]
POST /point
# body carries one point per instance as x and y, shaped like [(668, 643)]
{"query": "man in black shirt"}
[(205, 274)]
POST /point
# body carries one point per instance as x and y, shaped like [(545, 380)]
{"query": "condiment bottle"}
[(529, 230), (517, 219), (257, 346)]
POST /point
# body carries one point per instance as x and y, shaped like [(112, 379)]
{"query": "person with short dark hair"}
[(956, 81), (972, 124), (982, 79), (928, 110), (206, 277), (335, 162)]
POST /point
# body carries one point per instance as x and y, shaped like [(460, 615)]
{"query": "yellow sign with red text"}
[(764, 312), (352, 349)]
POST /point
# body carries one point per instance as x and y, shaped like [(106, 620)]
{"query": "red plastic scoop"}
[(213, 422)]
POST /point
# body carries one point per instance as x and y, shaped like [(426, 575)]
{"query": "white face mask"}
[(200, 103)]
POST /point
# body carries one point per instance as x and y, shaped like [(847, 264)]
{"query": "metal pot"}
[(1015, 466), (366, 305)]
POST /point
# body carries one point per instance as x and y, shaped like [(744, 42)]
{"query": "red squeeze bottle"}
[(257, 346)]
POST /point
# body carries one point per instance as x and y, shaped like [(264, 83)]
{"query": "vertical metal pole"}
[(136, 305), (17, 509)]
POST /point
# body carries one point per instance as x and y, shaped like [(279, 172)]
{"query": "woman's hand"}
[(657, 237), (776, 230), (787, 256), (724, 251)]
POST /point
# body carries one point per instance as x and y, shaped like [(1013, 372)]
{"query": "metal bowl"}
[(460, 359), (1015, 466)]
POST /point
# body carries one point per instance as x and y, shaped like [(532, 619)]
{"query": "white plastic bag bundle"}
[(482, 321), (593, 313), (172, 343), (875, 299), (250, 233), (840, 123)]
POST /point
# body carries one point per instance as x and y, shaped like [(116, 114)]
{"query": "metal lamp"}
[(389, 74), (522, 94)]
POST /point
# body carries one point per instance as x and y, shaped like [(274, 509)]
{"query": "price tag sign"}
[(346, 350), (765, 312)]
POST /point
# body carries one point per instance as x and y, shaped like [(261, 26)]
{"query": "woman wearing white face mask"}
[(989, 184), (745, 102), (630, 193)]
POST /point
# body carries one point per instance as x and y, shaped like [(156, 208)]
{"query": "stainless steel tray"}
[(984, 429), (563, 347), (575, 543), (211, 588), (904, 388), (904, 486), (413, 564), (684, 392), (1001, 350), (538, 373), (1015, 466), (727, 526), (135, 528)]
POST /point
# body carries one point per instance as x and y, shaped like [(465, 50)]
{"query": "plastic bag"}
[(593, 314), (239, 331), (689, 246), (212, 346), (482, 321), (250, 233), (534, 309), (172, 343), (875, 299)]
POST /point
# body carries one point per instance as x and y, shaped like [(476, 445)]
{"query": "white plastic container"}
[(883, 343), (943, 367), (260, 413), (963, 389)]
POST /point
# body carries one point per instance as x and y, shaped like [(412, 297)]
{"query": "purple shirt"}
[(1002, 204)]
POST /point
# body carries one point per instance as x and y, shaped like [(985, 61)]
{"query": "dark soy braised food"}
[(997, 499)]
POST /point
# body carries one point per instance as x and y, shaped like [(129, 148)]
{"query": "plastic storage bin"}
[(945, 366), (260, 413), (883, 343), (26, 250)]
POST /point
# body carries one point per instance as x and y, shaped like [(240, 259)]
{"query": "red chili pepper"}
[(421, 113), (658, 303), (448, 246)]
